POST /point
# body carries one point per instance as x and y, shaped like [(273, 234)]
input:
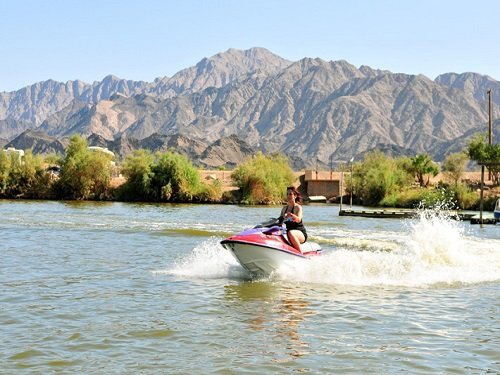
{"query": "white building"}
[(12, 150)]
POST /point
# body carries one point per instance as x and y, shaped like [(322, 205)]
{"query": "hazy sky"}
[(141, 40)]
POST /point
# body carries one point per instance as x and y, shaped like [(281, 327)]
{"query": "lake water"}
[(146, 288)]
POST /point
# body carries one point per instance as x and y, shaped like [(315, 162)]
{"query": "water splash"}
[(432, 249), (207, 260), (351, 242), (437, 239)]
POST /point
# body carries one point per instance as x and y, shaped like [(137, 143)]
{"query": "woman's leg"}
[(296, 237)]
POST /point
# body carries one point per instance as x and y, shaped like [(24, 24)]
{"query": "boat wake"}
[(430, 250)]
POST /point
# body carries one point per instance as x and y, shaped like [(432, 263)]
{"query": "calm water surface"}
[(141, 288)]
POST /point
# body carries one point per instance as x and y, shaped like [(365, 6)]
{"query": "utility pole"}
[(331, 167), (481, 197), (350, 202), (341, 188), (490, 127)]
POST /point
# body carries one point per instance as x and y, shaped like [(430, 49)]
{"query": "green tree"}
[(85, 174), (379, 176), (263, 179), (454, 166), (422, 165), (23, 176), (137, 170), (28, 177), (484, 153), (175, 178), (53, 159), (463, 196), (5, 164), (164, 177)]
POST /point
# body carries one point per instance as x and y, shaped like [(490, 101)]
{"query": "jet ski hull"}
[(264, 250)]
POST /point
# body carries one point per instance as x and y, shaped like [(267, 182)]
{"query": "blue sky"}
[(141, 40)]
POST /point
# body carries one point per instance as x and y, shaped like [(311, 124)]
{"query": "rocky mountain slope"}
[(473, 84), (226, 148), (225, 152), (38, 142), (218, 71), (35, 103), (237, 102)]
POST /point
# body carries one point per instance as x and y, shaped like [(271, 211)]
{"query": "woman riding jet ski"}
[(264, 249), (291, 215)]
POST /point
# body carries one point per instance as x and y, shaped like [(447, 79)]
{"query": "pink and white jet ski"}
[(262, 250)]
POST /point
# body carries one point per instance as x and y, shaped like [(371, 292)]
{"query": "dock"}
[(488, 217), (394, 214)]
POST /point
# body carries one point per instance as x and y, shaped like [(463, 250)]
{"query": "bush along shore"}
[(86, 174)]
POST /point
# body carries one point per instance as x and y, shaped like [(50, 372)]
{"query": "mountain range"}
[(238, 102)]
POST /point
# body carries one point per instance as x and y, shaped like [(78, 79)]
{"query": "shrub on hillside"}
[(465, 198), (32, 179), (457, 196), (85, 174), (174, 178), (23, 176), (263, 179), (5, 162), (411, 198), (137, 170), (379, 176), (164, 177), (461, 195), (210, 192)]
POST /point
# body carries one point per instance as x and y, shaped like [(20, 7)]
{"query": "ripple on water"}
[(151, 333), (62, 363), (195, 232), (148, 289), (26, 354)]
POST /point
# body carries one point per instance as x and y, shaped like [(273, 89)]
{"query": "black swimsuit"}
[(292, 225)]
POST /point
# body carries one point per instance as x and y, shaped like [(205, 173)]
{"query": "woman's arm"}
[(298, 216), (282, 217)]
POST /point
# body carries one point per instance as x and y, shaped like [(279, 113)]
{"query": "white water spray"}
[(430, 250), (208, 260)]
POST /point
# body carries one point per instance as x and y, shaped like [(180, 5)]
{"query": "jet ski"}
[(265, 248)]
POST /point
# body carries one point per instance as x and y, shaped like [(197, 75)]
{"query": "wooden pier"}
[(488, 217), (394, 214)]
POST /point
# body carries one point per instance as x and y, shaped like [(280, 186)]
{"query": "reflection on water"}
[(276, 311), (293, 312)]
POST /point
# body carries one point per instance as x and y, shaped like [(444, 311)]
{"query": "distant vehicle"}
[(496, 211), (54, 170)]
